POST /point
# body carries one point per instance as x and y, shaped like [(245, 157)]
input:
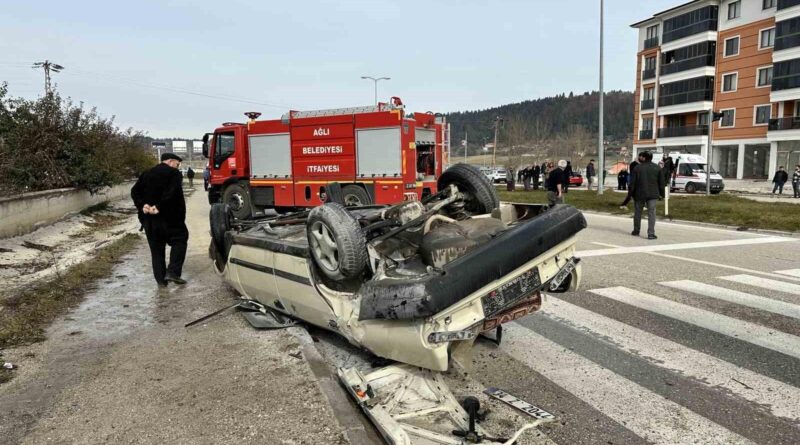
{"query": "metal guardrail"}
[(784, 123)]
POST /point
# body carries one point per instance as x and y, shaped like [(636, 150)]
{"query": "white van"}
[(691, 174)]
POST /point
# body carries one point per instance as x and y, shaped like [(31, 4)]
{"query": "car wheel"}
[(691, 188), (336, 242), (237, 198), (355, 196), (715, 192), (219, 219), (480, 194)]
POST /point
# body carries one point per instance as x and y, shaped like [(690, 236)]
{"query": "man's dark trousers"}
[(159, 235), (638, 206)]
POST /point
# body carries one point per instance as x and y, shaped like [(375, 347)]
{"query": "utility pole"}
[(48, 66), (375, 80), (600, 146), (466, 145), (497, 121)]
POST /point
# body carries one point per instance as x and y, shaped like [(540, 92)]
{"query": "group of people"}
[(782, 177), (531, 175)]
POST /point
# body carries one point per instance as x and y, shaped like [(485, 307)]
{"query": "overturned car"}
[(409, 282)]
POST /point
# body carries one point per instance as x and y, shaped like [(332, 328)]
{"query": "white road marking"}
[(780, 397), (710, 263), (682, 246), (693, 227), (773, 285), (743, 330), (647, 414), (745, 299), (790, 272)]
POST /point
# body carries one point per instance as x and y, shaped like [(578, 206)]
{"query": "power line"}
[(48, 66)]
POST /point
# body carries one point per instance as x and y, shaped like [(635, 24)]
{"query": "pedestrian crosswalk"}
[(663, 383)]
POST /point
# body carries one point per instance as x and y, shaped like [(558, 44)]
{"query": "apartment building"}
[(740, 58)]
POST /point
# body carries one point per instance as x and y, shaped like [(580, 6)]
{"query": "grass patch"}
[(722, 209), (26, 314)]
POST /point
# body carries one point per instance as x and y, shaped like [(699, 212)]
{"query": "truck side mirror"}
[(205, 145)]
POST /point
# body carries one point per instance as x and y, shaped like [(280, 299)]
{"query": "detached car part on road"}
[(415, 282), (407, 281)]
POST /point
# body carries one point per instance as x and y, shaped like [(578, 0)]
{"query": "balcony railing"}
[(783, 4), (648, 104), (784, 123), (652, 42), (786, 42), (649, 74), (645, 135), (674, 132), (686, 98), (696, 28), (687, 64)]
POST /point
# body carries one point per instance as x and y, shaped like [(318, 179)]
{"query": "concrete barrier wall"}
[(25, 213)]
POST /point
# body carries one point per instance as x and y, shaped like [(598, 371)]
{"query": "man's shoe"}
[(174, 279), (652, 237), (635, 233), (162, 283)]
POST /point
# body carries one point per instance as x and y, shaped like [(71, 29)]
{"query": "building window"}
[(729, 82), (648, 93), (732, 46), (728, 118), (767, 39), (702, 118), (734, 10), (647, 124), (762, 114), (652, 32), (764, 77), (768, 4)]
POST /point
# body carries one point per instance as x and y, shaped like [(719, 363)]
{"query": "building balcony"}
[(686, 31), (645, 135), (648, 104), (783, 4), (786, 42), (651, 43), (686, 98), (649, 74), (687, 64), (675, 132), (784, 123)]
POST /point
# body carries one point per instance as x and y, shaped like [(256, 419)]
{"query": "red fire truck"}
[(377, 153)]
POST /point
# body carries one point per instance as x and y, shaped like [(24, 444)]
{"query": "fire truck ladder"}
[(340, 111)]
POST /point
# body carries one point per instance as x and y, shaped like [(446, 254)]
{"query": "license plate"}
[(562, 274), (512, 292), (525, 407)]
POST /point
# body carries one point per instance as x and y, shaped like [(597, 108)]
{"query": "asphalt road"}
[(690, 339)]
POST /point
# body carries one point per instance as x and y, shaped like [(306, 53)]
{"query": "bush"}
[(52, 143)]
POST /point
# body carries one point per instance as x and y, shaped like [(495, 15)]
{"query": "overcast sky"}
[(441, 55)]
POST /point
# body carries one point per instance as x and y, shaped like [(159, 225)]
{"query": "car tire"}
[(219, 219), (715, 192), (482, 196), (238, 199), (337, 244), (355, 195), (691, 188)]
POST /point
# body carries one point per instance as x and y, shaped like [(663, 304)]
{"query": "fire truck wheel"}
[(237, 198), (481, 196), (336, 242), (355, 196), (219, 219)]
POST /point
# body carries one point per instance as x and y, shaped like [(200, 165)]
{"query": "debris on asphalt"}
[(37, 246), (9, 365)]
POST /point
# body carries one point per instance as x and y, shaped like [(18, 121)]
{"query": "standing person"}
[(555, 184), (526, 178), (622, 179), (190, 175), (796, 181), (567, 176), (590, 173), (520, 175), (536, 171), (647, 187), (779, 180), (206, 177), (158, 196), (632, 166)]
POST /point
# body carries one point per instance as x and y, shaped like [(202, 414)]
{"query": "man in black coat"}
[(158, 196), (647, 186), (779, 180), (536, 171)]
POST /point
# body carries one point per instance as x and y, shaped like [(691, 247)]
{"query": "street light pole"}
[(600, 146), (375, 80), (497, 121)]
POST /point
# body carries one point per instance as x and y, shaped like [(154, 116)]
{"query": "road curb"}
[(355, 427)]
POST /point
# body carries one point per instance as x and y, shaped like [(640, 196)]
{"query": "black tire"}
[(336, 242), (715, 192), (355, 195), (219, 220), (691, 188), (481, 196), (237, 198)]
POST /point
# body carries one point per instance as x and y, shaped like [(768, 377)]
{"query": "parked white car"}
[(497, 175)]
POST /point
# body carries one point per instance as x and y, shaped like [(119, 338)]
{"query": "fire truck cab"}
[(377, 153)]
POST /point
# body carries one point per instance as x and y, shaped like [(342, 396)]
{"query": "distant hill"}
[(549, 118)]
